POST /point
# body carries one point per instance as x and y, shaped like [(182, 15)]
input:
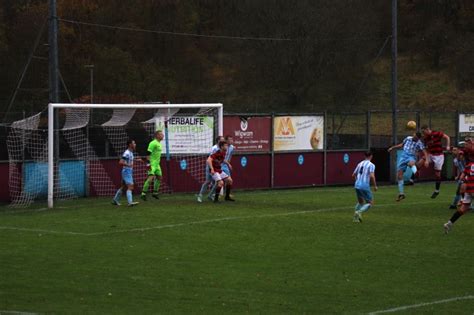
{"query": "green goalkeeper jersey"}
[(155, 148)]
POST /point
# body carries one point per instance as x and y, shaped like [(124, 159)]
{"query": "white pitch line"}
[(159, 227), (16, 313), (167, 226), (406, 307), (13, 228)]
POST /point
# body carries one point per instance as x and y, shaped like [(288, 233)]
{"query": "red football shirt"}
[(217, 160), (433, 143), (469, 178)]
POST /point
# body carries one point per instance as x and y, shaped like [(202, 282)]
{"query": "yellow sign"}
[(296, 133)]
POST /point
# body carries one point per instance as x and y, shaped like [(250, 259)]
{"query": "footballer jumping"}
[(411, 146), (435, 155)]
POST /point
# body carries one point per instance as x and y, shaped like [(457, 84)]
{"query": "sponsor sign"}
[(466, 123), (187, 135), (250, 134), (296, 133)]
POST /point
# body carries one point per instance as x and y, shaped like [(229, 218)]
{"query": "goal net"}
[(73, 150)]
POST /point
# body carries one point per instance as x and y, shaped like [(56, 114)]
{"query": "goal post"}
[(53, 174)]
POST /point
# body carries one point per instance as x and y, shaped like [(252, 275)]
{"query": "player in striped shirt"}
[(434, 146), (208, 178), (411, 146), (468, 178), (226, 166), (363, 175), (460, 164), (127, 175)]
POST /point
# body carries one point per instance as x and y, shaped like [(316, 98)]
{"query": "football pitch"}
[(282, 251)]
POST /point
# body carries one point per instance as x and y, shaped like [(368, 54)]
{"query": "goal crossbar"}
[(53, 106)]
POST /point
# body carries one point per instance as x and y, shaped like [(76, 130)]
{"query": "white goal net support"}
[(73, 151)]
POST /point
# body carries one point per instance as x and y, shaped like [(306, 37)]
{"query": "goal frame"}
[(53, 106)]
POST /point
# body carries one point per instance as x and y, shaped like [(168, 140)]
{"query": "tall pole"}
[(53, 122), (394, 72), (53, 54), (91, 72)]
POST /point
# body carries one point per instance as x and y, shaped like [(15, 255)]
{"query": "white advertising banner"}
[(187, 135), (296, 133), (466, 123)]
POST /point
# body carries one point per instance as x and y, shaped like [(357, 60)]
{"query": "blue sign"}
[(301, 159), (183, 164), (346, 158), (243, 161)]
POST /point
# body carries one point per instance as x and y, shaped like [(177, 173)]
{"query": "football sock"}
[(146, 185), (357, 206), (204, 187), (156, 186), (129, 196), (364, 208), (118, 194), (456, 199), (455, 216), (400, 187), (218, 191), (437, 185), (414, 170), (213, 189), (227, 191)]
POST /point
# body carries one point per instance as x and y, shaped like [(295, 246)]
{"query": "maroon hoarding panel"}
[(4, 178), (252, 134), (341, 165), (299, 169), (251, 171)]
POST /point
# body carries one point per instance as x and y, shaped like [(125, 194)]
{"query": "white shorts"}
[(219, 176), (467, 199), (437, 160)]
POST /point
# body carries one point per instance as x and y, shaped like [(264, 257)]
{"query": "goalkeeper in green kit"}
[(154, 172)]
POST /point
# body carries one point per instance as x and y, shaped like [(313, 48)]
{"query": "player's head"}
[(159, 135), (455, 150), (131, 145), (219, 139), (369, 155), (426, 130), (222, 145), (229, 139), (417, 136)]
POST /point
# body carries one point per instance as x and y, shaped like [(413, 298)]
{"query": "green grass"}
[(290, 251)]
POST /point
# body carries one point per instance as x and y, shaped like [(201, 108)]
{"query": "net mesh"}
[(87, 154)]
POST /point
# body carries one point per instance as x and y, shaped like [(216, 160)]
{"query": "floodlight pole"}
[(394, 72), (53, 54), (53, 91)]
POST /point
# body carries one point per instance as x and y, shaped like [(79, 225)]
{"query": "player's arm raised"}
[(398, 146)]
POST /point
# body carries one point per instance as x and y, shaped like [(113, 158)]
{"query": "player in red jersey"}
[(468, 178), (434, 147), (215, 162)]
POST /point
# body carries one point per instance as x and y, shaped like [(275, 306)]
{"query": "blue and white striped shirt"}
[(127, 156), (362, 173), (228, 155), (214, 149), (460, 165), (411, 146)]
